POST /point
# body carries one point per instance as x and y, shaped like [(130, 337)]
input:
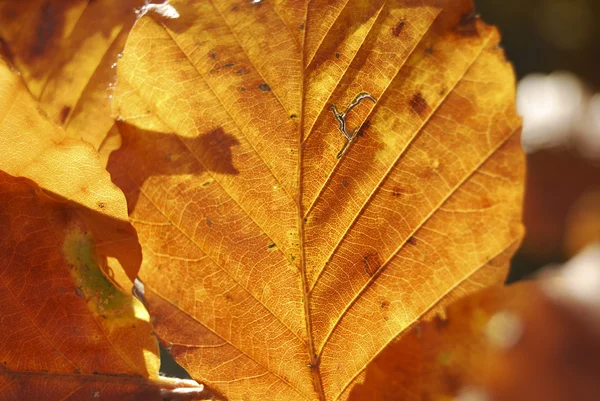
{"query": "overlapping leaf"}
[(66, 50), (37, 149), (67, 331), (273, 268)]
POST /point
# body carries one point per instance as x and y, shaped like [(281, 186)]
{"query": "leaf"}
[(501, 343), (66, 331), (66, 56), (272, 268), (35, 148), (447, 357)]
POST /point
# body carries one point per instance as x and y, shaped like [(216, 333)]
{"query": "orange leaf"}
[(273, 268), (66, 55), (66, 331), (511, 343), (37, 149)]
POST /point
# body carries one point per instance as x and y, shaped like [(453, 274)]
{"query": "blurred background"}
[(555, 48)]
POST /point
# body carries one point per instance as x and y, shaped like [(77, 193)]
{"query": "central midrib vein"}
[(313, 363)]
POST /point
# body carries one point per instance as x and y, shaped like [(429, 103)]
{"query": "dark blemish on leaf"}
[(46, 28), (467, 25), (95, 373), (397, 30), (385, 304), (418, 104), (234, 8), (292, 257), (264, 87), (228, 297), (169, 157), (337, 55), (77, 371), (429, 50), (208, 222), (242, 71), (228, 65), (363, 128), (101, 205), (344, 183), (372, 263), (396, 191), (212, 54), (301, 27), (64, 113), (243, 89), (271, 246), (305, 219), (206, 184), (292, 116), (412, 241)]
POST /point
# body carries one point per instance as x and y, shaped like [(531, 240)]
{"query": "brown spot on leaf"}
[(418, 104), (396, 191), (363, 128), (264, 87), (397, 30), (344, 183), (64, 114), (242, 71), (79, 293), (208, 222), (412, 241), (372, 263), (48, 21), (385, 304)]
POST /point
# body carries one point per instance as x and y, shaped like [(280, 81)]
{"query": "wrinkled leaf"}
[(274, 269), (66, 331), (35, 148), (66, 55)]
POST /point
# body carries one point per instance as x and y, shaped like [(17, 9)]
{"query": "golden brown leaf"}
[(35, 148), (274, 269), (66, 54), (66, 331)]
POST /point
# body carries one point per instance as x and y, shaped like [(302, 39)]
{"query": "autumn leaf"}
[(502, 343), (275, 269), (67, 330), (448, 357), (35, 148), (66, 57)]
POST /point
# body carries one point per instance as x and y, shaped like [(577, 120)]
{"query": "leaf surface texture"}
[(274, 269)]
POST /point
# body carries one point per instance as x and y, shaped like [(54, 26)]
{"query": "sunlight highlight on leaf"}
[(273, 268)]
